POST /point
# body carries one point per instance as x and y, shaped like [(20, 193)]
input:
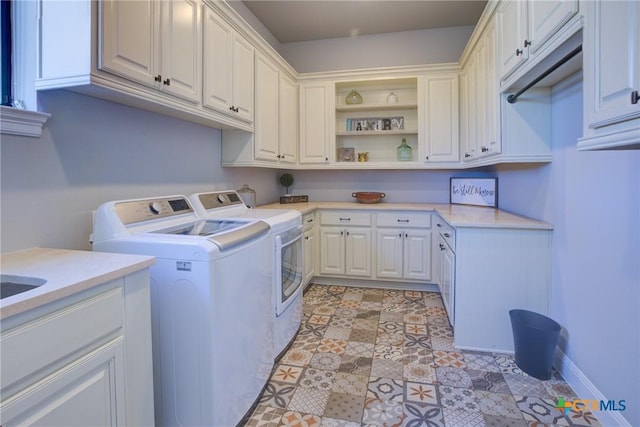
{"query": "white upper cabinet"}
[(276, 115), (441, 126), (128, 40), (157, 44), (512, 19), (228, 69), (527, 27), (266, 114), (611, 75), (317, 122), (545, 18), (288, 118)]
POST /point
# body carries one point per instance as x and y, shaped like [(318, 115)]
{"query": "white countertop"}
[(66, 272), (454, 215)]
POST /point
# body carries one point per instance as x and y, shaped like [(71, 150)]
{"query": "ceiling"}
[(304, 20)]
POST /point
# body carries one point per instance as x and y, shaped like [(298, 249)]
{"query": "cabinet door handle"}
[(447, 235), (438, 225), (310, 220), (306, 237), (519, 52), (345, 219), (406, 236), (158, 78), (342, 233), (326, 159), (635, 97), (403, 220), (400, 235), (467, 155), (484, 149), (347, 233), (442, 247), (527, 43), (167, 82)]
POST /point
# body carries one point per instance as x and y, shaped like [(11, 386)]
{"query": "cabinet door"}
[(288, 118), (181, 41), (612, 62), (546, 18), (447, 278), (127, 39), (89, 391), (417, 254), (512, 34), (441, 118), (316, 129), (492, 136), (309, 254), (358, 252), (266, 111), (332, 250), (217, 59), (389, 253), (470, 94), (243, 78)]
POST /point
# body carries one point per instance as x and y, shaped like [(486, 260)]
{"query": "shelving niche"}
[(379, 143)]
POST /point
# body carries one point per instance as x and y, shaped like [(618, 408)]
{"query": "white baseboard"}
[(585, 389)]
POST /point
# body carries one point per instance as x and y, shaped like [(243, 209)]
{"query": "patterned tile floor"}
[(374, 357)]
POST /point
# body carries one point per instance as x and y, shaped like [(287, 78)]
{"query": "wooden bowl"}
[(368, 196)]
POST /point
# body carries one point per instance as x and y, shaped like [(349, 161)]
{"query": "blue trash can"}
[(535, 338)]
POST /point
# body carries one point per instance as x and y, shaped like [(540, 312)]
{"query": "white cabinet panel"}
[(288, 119), (417, 255), (616, 56), (358, 252), (512, 20), (317, 124), (157, 44), (441, 118), (228, 59), (266, 113), (128, 34), (546, 17), (181, 41)]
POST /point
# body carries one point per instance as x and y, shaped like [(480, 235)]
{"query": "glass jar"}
[(404, 151), (248, 196), (353, 98)]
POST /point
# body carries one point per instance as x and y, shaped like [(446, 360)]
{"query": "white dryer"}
[(286, 238), (211, 294)]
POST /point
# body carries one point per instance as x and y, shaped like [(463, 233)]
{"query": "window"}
[(5, 29)]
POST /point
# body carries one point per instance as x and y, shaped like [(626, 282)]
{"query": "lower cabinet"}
[(345, 243), (403, 246), (496, 270), (85, 360)]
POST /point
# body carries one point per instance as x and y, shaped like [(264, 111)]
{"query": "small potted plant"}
[(286, 179)]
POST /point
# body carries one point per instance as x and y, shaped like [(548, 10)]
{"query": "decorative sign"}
[(474, 191)]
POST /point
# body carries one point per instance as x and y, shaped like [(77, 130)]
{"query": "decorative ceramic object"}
[(353, 98), (368, 196), (248, 196), (363, 157), (392, 98), (404, 151)]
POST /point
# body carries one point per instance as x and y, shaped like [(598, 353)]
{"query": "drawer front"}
[(345, 218), (403, 219), (308, 221), (38, 343), (447, 232)]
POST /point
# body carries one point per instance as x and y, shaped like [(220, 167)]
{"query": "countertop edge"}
[(126, 265), (459, 216)]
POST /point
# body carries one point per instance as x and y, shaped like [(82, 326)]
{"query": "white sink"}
[(12, 285)]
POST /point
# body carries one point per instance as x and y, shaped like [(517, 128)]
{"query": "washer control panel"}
[(143, 210)]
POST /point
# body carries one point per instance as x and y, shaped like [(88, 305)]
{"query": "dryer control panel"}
[(219, 199)]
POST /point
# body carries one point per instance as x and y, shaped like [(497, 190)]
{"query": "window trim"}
[(13, 120)]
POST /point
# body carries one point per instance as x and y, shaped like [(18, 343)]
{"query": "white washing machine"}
[(286, 237), (211, 294)]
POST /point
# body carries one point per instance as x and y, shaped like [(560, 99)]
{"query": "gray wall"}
[(593, 200), (92, 151)]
